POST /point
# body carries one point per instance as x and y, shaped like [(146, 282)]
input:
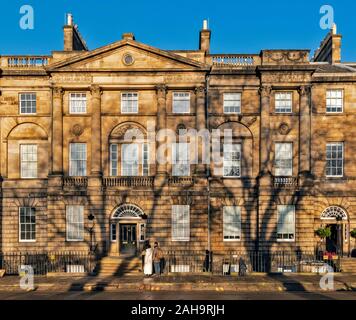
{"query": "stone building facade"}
[(70, 180)]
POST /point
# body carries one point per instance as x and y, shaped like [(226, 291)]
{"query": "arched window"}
[(334, 213), (128, 151)]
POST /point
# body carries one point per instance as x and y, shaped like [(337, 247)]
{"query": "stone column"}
[(265, 140), (304, 129), (96, 131), (161, 169), (57, 131), (200, 126)]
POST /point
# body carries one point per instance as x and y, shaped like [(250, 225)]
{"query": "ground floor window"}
[(142, 232), (27, 224), (232, 223), (113, 232), (75, 223), (180, 223), (285, 223)]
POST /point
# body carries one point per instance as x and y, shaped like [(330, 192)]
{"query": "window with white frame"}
[(180, 223), (334, 101), (28, 161), (231, 223), (113, 232), (232, 160), (27, 103), (142, 232), (283, 159), (78, 102), (232, 102), (180, 159), (285, 222), (27, 224), (129, 102), (181, 102), (75, 222), (129, 159), (335, 159), (78, 159), (283, 102), (113, 159), (145, 162)]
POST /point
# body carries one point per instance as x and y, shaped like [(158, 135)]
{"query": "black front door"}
[(128, 238), (335, 242)]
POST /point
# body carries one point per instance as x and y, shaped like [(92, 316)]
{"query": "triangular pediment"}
[(127, 55)]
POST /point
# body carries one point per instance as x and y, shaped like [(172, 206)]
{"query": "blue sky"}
[(237, 26)]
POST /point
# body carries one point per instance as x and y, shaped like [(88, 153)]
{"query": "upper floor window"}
[(284, 159), (180, 223), (334, 101), (283, 102), (232, 223), (113, 159), (77, 102), (27, 103), (181, 102), (75, 222), (145, 156), (232, 102), (335, 159), (285, 223), (129, 160), (180, 157), (77, 159), (28, 161), (129, 102), (232, 160), (27, 224)]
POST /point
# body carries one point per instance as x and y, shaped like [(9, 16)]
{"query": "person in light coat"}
[(147, 270)]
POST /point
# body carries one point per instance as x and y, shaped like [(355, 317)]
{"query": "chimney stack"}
[(72, 38), (330, 48), (128, 36), (204, 41)]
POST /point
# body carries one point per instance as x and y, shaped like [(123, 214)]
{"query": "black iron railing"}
[(177, 261), (43, 263), (252, 261)]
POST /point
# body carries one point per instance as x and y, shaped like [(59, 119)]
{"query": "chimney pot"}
[(69, 19), (334, 28), (205, 24)]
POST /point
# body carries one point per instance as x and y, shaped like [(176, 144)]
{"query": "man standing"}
[(157, 256)]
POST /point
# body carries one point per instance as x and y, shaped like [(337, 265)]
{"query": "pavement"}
[(177, 296), (252, 283)]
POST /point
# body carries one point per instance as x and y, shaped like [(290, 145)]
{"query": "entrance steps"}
[(348, 265), (119, 266)]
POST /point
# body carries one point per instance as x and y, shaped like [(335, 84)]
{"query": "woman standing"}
[(147, 270)]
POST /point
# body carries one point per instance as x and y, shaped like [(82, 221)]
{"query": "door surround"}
[(126, 214), (335, 215)]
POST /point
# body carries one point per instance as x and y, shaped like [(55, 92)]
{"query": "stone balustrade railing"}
[(76, 182), (285, 182), (180, 181), (27, 62), (235, 60), (128, 182)]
